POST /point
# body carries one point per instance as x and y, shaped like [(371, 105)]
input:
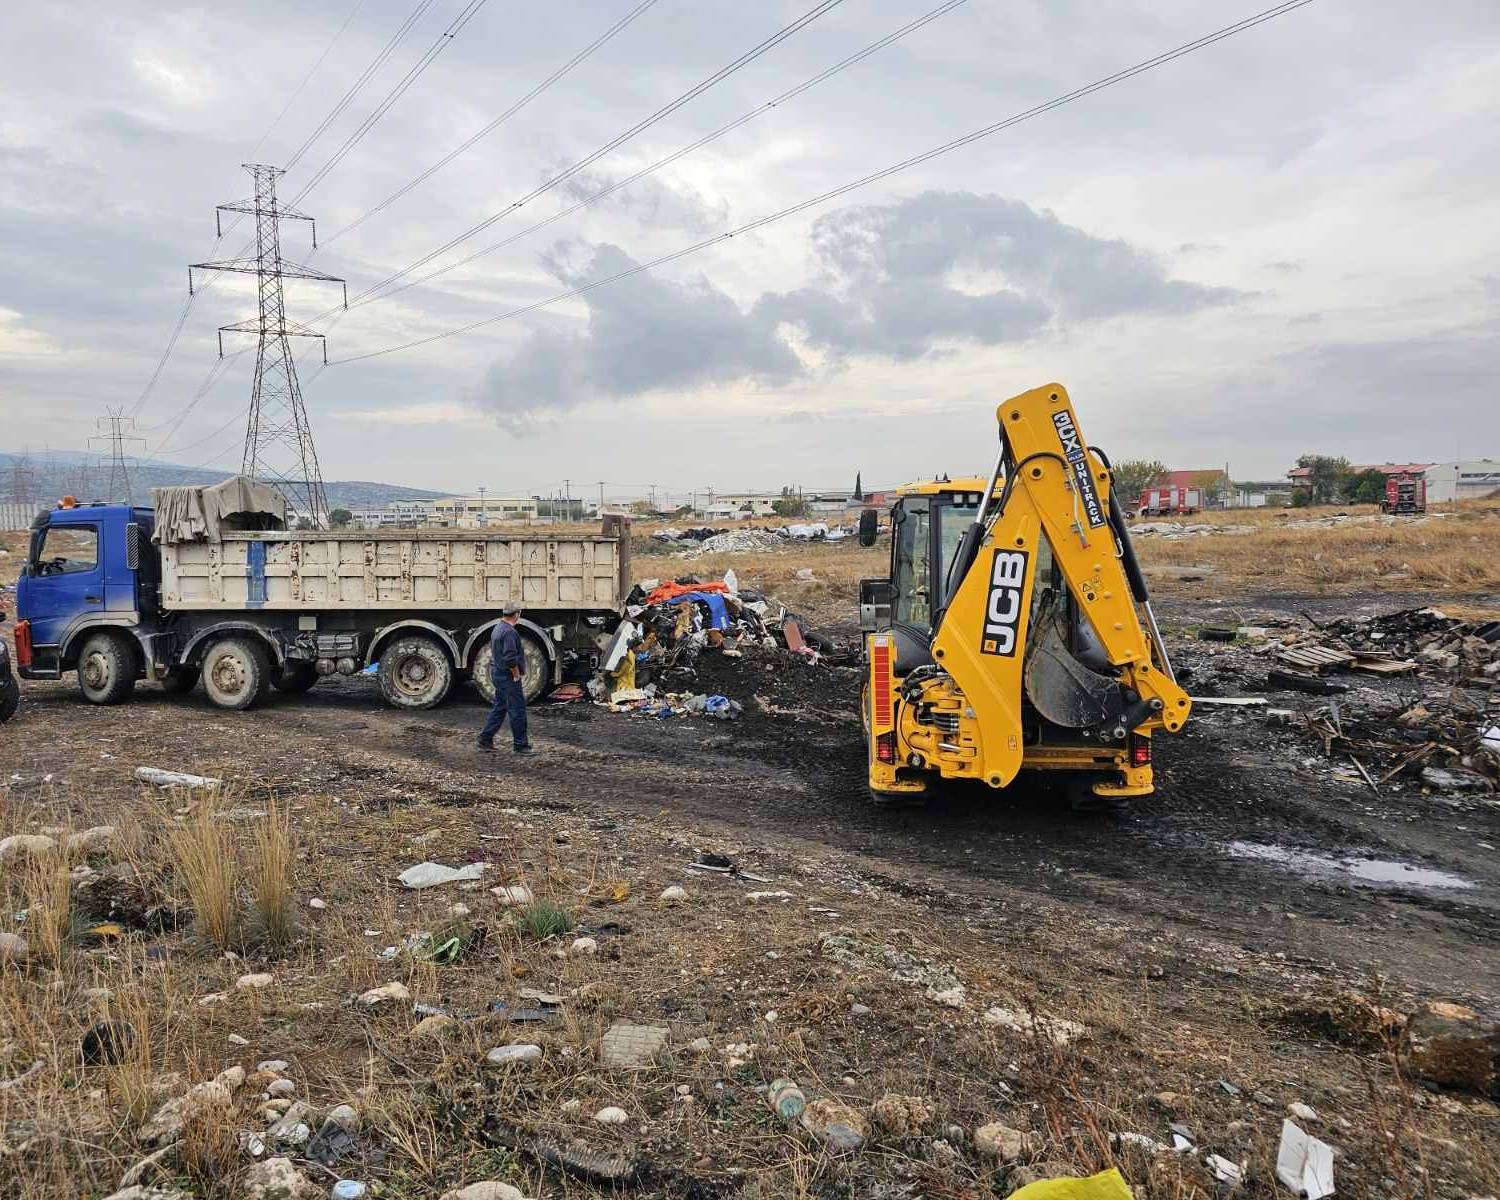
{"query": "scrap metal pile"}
[(671, 624), (1438, 719)]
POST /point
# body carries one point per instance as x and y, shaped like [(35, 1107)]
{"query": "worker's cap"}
[(511, 609)]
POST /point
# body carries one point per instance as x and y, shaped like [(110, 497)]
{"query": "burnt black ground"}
[(793, 782)]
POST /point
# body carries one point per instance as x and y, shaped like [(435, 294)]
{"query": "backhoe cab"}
[(1014, 631)]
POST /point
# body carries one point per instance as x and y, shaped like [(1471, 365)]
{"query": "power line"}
[(639, 127), (444, 40), (365, 76), (498, 121), (863, 181), (775, 101), (306, 79)]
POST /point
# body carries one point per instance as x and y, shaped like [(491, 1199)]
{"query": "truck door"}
[(64, 581)]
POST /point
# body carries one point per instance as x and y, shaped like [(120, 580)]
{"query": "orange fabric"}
[(670, 591)]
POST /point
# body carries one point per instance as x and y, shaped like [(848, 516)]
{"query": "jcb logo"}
[(1002, 611)]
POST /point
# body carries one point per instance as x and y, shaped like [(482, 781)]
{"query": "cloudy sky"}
[(1285, 242)]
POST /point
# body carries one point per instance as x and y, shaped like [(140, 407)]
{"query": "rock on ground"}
[(278, 1179), (489, 1189), (902, 1115), (435, 1026), (379, 995), (1454, 1046), (632, 1046), (835, 1124), (26, 845), (166, 1124), (97, 840), (999, 1141), (141, 1191), (13, 948)]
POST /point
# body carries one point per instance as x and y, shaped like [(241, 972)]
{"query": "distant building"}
[(740, 504), (1301, 477), (475, 512), (1466, 480)]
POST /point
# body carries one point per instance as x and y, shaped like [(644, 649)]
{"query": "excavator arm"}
[(1086, 655)]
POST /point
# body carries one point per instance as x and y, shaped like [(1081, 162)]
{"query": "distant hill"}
[(41, 478)]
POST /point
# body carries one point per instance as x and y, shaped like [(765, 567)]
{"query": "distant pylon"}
[(278, 440), (113, 429)]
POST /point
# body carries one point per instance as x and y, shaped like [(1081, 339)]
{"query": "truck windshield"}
[(913, 557)]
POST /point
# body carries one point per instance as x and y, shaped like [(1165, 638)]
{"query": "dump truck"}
[(210, 585), (1014, 630)]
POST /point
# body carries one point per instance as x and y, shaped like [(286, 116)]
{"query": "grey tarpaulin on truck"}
[(198, 514)]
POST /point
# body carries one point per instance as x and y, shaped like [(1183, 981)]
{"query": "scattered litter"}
[(1224, 1170), (431, 874), (632, 1047), (765, 897), (786, 1099), (1236, 701), (611, 1116), (175, 779), (504, 1056), (1304, 1164)]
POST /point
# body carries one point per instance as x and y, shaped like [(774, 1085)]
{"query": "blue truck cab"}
[(89, 587)]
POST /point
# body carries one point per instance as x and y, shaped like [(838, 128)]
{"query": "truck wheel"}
[(536, 678), (414, 673), (295, 678), (10, 699), (237, 673), (106, 669), (180, 681)]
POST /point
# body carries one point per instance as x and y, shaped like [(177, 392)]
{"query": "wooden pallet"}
[(1314, 658)]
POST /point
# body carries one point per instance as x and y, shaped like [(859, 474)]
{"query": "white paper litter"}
[(431, 874), (1304, 1163), (1224, 1170), (169, 779)]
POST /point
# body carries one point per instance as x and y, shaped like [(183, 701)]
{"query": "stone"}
[(295, 1124), (165, 1125), (253, 982), (611, 1116), (1454, 1046), (942, 1153), (99, 839), (212, 998), (632, 1047), (381, 995), (97, 995), (1455, 779), (317, 904), (13, 948), (583, 947), (999, 1141), (701, 1045), (278, 1179), (954, 997), (435, 1026), (235, 1039), (26, 845), (274, 1065), (835, 1124), (673, 895), (107, 1042), (142, 1191), (343, 1116), (1302, 1111), (1056, 1029), (904, 1116), (505, 1056), (860, 1010), (516, 896), (281, 1087), (1023, 1176), (489, 1189)]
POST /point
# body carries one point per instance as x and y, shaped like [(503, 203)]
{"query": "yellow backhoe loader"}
[(1014, 631)]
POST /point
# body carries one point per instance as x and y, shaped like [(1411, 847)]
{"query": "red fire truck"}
[(1405, 493), (1171, 501)]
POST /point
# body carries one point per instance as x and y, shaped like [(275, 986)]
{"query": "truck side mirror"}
[(869, 526)]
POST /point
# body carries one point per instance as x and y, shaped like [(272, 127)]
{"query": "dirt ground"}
[(1200, 940)]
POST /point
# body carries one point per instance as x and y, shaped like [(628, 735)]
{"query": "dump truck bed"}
[(392, 569)]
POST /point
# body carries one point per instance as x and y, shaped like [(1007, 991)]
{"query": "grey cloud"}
[(652, 201), (885, 290)]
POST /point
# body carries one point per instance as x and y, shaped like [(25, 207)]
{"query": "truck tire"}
[(237, 673), (295, 678), (181, 681), (536, 679), (10, 699), (414, 673), (106, 669)]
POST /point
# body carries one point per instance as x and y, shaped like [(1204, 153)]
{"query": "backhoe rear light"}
[(880, 659), (23, 644), (1140, 751), (885, 747)]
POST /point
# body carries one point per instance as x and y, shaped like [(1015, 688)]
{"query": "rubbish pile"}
[(703, 540), (1439, 722), (668, 625)]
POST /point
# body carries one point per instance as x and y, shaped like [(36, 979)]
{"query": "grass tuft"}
[(272, 883), (541, 919), (204, 859)]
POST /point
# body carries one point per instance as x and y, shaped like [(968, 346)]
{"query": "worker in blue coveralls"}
[(507, 662)]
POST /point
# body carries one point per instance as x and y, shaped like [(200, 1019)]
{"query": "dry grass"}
[(48, 888), (205, 860), (272, 883)]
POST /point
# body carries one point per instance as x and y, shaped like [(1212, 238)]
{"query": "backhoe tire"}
[(237, 673), (107, 666), (180, 681), (536, 676), (415, 673), (295, 678)]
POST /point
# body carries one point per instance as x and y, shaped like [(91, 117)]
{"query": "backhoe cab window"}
[(67, 549), (912, 575)]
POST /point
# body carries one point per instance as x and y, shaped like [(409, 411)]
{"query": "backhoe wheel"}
[(1082, 798), (106, 669), (295, 678), (180, 681), (237, 673), (536, 675), (414, 673)]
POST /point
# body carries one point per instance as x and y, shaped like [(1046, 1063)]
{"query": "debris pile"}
[(703, 540), (667, 626)]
